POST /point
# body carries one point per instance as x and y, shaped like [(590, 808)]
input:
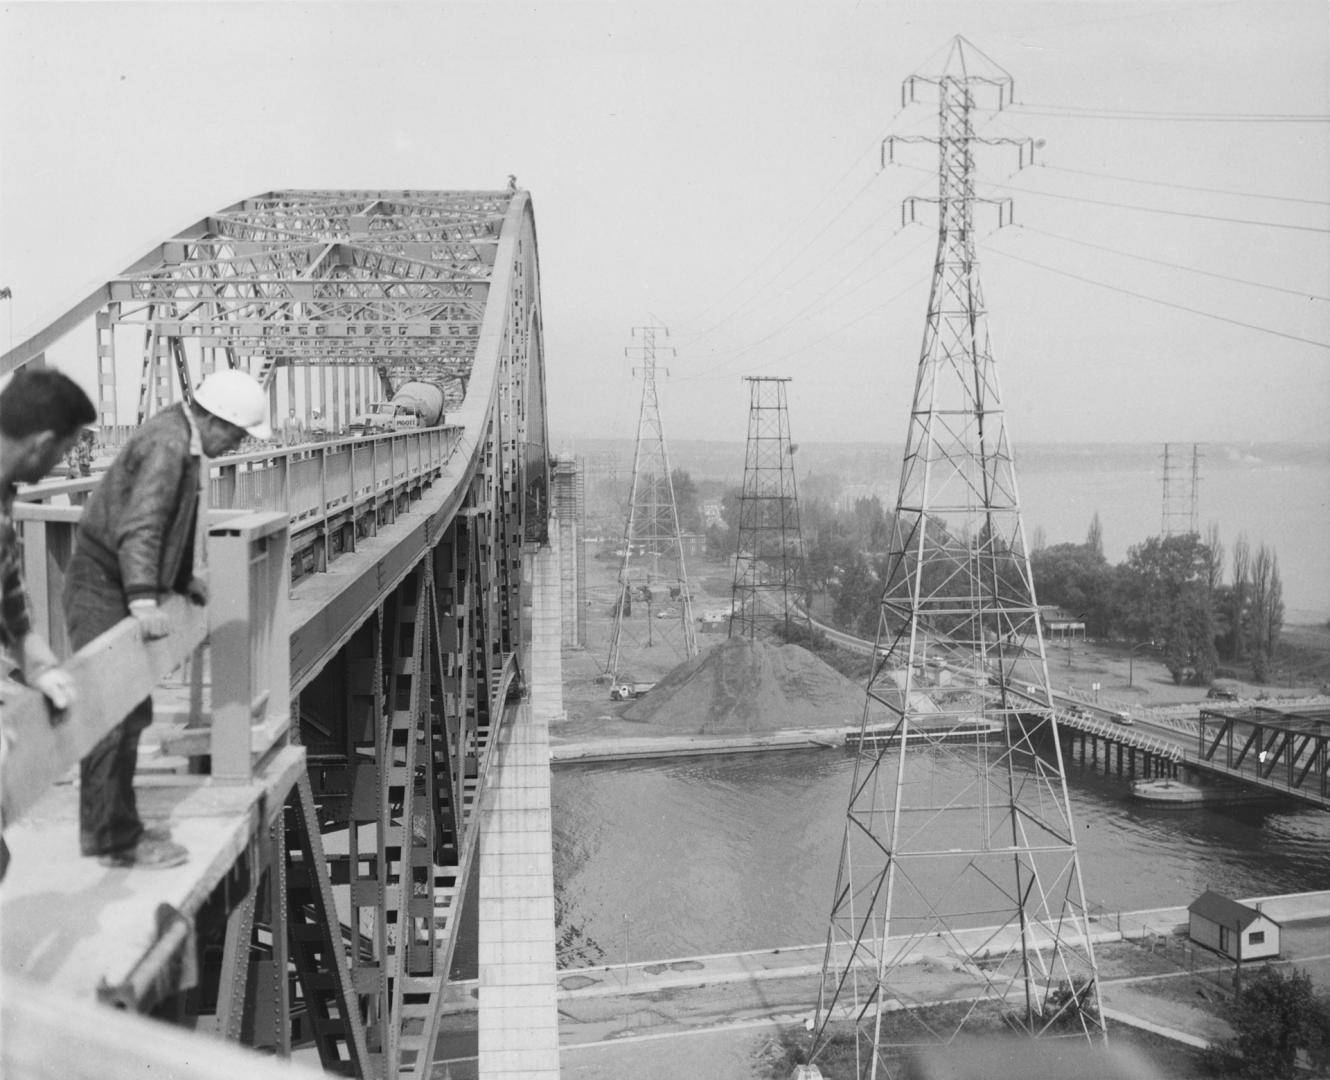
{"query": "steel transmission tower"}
[(958, 816), (1181, 507), (652, 546), (769, 556)]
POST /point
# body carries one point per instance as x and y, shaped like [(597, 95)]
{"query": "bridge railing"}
[(309, 482), (247, 707)]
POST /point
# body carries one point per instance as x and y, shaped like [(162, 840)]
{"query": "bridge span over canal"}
[(325, 728)]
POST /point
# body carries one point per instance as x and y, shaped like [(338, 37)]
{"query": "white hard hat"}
[(238, 398)]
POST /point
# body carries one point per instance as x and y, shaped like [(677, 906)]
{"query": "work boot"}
[(147, 854)]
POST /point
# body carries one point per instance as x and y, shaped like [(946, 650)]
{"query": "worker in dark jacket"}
[(135, 544)]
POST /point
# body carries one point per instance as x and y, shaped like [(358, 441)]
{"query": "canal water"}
[(690, 856)]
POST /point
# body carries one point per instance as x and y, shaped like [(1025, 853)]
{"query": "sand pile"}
[(742, 687)]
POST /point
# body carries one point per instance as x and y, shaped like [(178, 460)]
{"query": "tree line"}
[(1203, 611)]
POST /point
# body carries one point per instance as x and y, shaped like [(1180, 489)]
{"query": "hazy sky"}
[(714, 168)]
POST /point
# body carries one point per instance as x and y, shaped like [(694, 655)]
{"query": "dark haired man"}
[(42, 413)]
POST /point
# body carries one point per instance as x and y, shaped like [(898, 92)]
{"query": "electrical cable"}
[(1182, 187), (794, 228), (1158, 210), (788, 263), (1164, 303), (1172, 265), (835, 285), (830, 334), (1089, 113)]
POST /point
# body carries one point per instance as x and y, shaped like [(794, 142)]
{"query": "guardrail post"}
[(249, 574)]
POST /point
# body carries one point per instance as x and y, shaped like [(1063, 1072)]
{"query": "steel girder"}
[(337, 928)]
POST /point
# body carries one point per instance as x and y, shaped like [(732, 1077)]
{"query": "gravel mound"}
[(743, 687)]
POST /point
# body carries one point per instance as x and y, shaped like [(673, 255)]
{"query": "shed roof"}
[(1054, 614), (1220, 909)]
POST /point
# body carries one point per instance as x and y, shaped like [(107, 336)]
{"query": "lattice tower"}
[(652, 570), (1181, 502), (958, 815), (769, 556)]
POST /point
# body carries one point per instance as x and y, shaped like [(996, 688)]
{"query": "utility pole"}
[(958, 814), (1181, 504), (769, 554), (651, 532)]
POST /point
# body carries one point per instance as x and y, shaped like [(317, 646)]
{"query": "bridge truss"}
[(336, 924)]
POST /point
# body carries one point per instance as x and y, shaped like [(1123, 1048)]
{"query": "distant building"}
[(1233, 929), (1060, 625)]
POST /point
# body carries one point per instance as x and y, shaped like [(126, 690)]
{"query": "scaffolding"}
[(769, 587), (958, 840)]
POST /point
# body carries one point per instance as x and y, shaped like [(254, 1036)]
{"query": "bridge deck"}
[(77, 926)]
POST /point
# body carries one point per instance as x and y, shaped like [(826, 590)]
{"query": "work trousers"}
[(108, 814)]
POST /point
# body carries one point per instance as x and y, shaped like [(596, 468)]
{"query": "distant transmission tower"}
[(1181, 504), (653, 557), (769, 558), (958, 840)]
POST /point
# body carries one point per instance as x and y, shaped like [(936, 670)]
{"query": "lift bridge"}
[(327, 727)]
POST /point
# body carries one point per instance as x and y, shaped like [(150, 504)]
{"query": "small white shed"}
[(1233, 929)]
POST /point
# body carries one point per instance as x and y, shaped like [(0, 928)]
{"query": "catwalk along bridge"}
[(325, 727)]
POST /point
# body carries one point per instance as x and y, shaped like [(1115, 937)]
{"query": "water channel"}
[(692, 856)]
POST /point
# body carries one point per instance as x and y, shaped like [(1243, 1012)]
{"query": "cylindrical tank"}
[(427, 399)]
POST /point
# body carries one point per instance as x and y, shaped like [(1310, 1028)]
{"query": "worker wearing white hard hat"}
[(139, 541), (237, 398)]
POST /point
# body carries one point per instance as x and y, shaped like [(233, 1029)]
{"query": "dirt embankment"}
[(744, 687)]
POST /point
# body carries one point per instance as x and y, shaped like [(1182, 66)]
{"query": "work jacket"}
[(139, 522)]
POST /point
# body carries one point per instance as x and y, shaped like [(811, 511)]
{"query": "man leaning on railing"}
[(138, 540)]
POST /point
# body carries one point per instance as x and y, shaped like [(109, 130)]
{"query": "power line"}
[(1158, 210), (793, 229), (1040, 109), (835, 253), (836, 284), (1184, 187), (729, 372), (1164, 303), (789, 262), (1175, 266)]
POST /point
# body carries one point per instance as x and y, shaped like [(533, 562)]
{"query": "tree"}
[(1167, 600), (1214, 566), (1274, 1017), (1076, 578), (1265, 614), (1238, 598), (1094, 540), (857, 597), (686, 501)]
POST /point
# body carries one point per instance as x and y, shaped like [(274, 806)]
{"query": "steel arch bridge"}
[(377, 583)]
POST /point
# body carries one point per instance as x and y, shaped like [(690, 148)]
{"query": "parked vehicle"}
[(414, 405), (1223, 692), (626, 691)]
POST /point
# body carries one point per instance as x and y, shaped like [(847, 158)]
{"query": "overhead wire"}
[(1159, 210), (1090, 113), (772, 278), (732, 356), (1160, 301), (760, 263), (1172, 265), (834, 253), (1181, 187)]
